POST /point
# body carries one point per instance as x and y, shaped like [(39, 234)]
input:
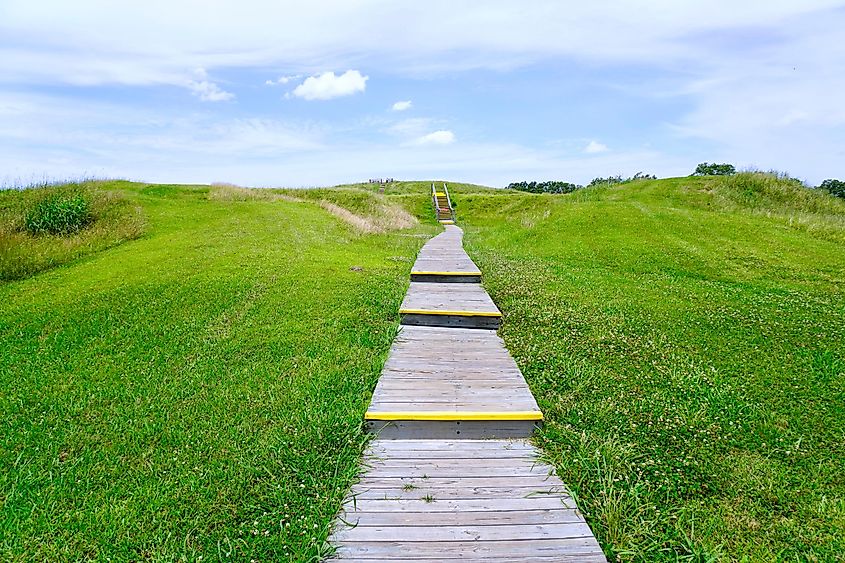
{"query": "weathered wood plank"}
[(453, 445), (523, 532), (478, 518), (466, 559), (473, 429), (540, 502), (422, 492), (573, 547)]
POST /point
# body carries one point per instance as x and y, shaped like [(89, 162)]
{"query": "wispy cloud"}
[(206, 90), (442, 137), (327, 86), (282, 80), (594, 147), (401, 106)]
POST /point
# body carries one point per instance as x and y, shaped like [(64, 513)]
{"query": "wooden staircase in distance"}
[(443, 210)]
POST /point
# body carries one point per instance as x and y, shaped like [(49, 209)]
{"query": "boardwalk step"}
[(441, 304), (446, 277)]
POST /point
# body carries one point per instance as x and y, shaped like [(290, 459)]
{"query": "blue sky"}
[(288, 94)]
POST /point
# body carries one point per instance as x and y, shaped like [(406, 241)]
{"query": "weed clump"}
[(59, 212), (50, 224)]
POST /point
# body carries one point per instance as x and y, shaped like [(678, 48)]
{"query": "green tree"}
[(835, 187), (708, 169)]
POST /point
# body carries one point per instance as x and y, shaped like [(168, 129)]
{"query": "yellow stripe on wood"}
[(452, 415), (451, 313), (445, 273)]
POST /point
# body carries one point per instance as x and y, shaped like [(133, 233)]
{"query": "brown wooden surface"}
[(476, 500)]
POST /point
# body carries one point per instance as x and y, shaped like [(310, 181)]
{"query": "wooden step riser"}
[(451, 321), (434, 278), (444, 430)]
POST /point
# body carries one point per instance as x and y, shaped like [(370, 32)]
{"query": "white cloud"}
[(402, 106), (209, 91), (282, 80), (128, 42), (206, 90), (411, 127), (594, 147), (442, 137), (327, 86)]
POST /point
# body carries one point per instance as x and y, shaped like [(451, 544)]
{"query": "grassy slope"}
[(685, 340), (116, 220), (197, 391)]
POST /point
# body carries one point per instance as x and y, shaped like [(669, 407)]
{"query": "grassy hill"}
[(199, 390), (685, 340)]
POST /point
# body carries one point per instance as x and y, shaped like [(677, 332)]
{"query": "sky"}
[(275, 93)]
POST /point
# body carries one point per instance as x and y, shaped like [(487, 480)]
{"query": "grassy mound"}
[(365, 210), (684, 338), (48, 226), (198, 392)]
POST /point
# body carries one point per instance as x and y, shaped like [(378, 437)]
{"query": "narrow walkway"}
[(451, 473)]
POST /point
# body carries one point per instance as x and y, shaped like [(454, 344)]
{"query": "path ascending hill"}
[(451, 474)]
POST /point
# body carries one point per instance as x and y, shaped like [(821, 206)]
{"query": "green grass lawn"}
[(198, 391), (686, 341)]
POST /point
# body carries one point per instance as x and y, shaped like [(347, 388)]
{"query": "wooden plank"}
[(503, 532), (458, 505), (572, 547), (423, 492), (471, 429), (477, 518), (435, 454), (469, 558), (437, 404), (489, 461), (456, 321), (453, 445), (541, 481), (465, 471)]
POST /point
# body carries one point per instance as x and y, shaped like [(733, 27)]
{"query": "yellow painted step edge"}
[(454, 313), (451, 415), (445, 273)]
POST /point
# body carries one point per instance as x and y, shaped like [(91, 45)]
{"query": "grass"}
[(199, 391), (47, 226), (684, 340)]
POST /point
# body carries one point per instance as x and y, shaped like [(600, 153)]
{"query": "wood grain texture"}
[(451, 370), (482, 500)]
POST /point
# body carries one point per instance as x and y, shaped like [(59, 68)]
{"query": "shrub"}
[(609, 181), (708, 169), (642, 176), (59, 213), (834, 187), (551, 187)]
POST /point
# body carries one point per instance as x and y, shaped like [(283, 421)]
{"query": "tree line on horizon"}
[(833, 186)]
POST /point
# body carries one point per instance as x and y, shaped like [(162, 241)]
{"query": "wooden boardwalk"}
[(451, 474)]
